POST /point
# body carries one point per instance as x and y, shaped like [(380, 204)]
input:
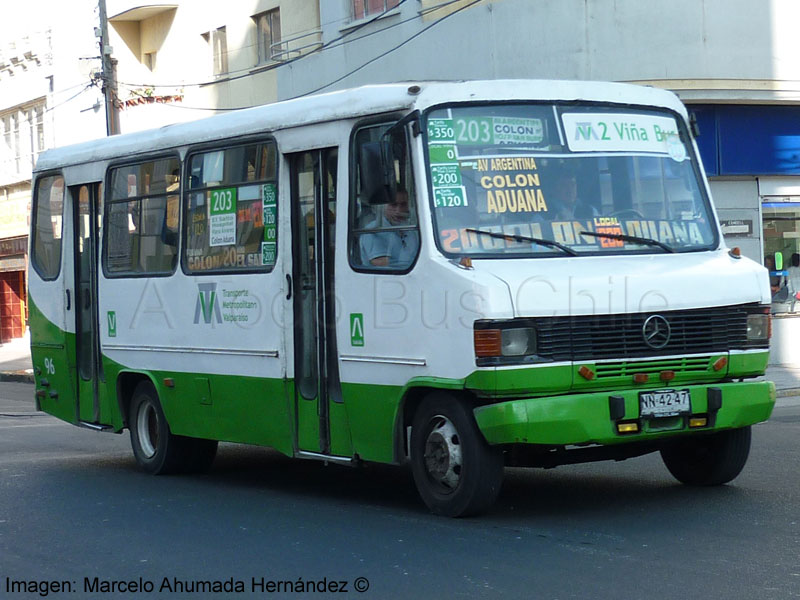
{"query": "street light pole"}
[(109, 75)]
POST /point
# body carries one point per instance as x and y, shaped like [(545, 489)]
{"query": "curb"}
[(787, 392), (17, 376)]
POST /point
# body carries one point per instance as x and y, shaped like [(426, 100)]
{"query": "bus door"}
[(86, 202), (320, 416)]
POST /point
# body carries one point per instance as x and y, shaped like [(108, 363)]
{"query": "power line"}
[(260, 69), (390, 50), (14, 149), (336, 43), (36, 105), (324, 47), (86, 87)]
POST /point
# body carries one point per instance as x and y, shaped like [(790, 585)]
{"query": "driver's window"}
[(384, 233)]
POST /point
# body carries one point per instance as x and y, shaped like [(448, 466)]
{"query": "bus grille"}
[(691, 364), (598, 337)]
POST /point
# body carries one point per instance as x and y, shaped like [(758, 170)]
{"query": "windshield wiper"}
[(630, 238), (524, 238)]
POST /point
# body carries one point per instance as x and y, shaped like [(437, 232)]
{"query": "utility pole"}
[(109, 75)]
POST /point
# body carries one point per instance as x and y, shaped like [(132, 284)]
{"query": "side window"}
[(232, 210), (384, 234), (47, 222), (142, 218)]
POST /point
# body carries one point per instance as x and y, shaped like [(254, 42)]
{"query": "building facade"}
[(47, 98), (22, 137), (186, 60)]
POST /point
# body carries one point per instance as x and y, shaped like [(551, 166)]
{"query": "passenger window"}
[(142, 218), (232, 210), (384, 227), (48, 210)]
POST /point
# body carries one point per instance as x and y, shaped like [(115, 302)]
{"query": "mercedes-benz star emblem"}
[(656, 331)]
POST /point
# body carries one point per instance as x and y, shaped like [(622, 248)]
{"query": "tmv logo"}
[(207, 303), (584, 131)]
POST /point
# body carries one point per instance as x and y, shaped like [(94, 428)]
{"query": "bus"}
[(451, 276)]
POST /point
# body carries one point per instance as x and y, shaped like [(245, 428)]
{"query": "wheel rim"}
[(443, 458), (147, 429)]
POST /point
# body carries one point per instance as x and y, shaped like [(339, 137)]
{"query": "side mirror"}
[(779, 261), (375, 189)]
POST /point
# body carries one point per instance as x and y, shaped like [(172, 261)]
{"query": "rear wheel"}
[(155, 448), (710, 459), (456, 472)]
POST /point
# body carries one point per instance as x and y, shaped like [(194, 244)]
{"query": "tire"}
[(710, 459), (156, 449), (456, 472)]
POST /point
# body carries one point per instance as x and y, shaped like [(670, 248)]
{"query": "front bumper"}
[(589, 418)]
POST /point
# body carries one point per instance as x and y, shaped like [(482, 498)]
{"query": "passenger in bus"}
[(567, 204), (169, 225), (388, 248)]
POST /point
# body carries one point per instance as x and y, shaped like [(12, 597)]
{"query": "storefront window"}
[(782, 254)]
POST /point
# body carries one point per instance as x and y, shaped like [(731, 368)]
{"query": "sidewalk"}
[(786, 378), (15, 360), (15, 365)]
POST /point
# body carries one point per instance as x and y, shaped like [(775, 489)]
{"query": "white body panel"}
[(629, 284)]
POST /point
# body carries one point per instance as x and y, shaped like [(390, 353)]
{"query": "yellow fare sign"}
[(512, 185)]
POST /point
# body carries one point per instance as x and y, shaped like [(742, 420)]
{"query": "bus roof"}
[(351, 103)]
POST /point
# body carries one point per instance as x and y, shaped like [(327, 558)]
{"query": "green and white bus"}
[(461, 276)]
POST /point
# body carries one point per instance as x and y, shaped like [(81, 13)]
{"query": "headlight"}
[(758, 327), (518, 342), (499, 341)]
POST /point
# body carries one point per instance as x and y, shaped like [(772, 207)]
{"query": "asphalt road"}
[(74, 509)]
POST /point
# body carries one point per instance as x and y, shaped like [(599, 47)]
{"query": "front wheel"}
[(155, 448), (710, 459), (456, 472)]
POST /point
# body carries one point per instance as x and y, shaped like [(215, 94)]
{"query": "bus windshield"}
[(538, 179)]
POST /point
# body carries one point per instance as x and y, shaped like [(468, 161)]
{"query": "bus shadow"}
[(576, 490), (265, 469), (595, 490), (604, 489)]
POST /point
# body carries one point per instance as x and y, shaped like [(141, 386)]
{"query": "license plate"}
[(664, 403)]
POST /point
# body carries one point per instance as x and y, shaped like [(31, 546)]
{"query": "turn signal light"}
[(640, 377), (720, 363), (667, 375), (586, 373), (488, 342), (698, 422)]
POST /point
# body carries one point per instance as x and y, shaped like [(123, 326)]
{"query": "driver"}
[(391, 248), (569, 206)]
